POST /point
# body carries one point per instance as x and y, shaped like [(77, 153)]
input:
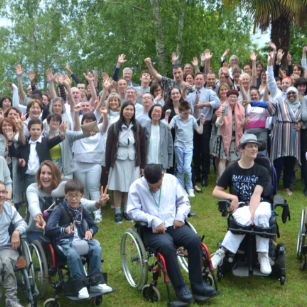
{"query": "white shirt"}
[(33, 162), (143, 118), (153, 154), (174, 204)]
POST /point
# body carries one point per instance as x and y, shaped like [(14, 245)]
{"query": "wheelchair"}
[(245, 260), (52, 262), (301, 243), (138, 259)]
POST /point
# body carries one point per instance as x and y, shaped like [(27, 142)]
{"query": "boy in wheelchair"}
[(73, 238), (249, 180), (159, 200), (8, 246)]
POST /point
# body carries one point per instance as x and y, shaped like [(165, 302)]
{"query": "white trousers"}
[(243, 216)]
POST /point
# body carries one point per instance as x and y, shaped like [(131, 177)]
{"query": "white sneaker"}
[(217, 259), (264, 261), (83, 293), (191, 193), (98, 218), (102, 288)]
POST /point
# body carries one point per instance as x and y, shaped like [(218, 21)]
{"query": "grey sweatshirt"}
[(5, 175)]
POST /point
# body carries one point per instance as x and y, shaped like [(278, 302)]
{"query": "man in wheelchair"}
[(73, 236), (9, 245), (249, 180), (159, 200)]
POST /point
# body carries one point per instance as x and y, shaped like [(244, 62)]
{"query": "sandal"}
[(288, 191)]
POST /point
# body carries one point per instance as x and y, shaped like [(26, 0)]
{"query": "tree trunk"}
[(180, 30), (280, 35), (160, 45)]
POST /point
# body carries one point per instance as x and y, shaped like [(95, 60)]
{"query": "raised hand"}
[(49, 75), (207, 55), (147, 61), (289, 57), (31, 75), (19, 70), (104, 76), (62, 129), (273, 46), (67, 66), (167, 113), (174, 57), (107, 83), (225, 53), (77, 108), (104, 111), (304, 49), (280, 55), (186, 85), (270, 60), (104, 197), (69, 228), (67, 81), (10, 85), (59, 79), (121, 59), (19, 124), (95, 74), (253, 57), (195, 62), (23, 117), (89, 77)]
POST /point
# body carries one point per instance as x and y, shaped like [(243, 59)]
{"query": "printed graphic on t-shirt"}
[(245, 184)]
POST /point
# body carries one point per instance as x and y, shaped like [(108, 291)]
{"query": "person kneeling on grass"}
[(8, 246), (67, 234), (249, 179)]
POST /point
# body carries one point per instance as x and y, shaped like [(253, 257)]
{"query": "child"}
[(184, 125), (67, 234)]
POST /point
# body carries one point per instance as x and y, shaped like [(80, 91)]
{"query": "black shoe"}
[(204, 182), (197, 179), (293, 179), (291, 188), (198, 191), (202, 289), (118, 218), (305, 192), (127, 217), (184, 294)]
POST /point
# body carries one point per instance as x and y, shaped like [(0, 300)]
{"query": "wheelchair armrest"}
[(23, 236), (278, 200), (224, 205), (142, 224), (191, 214), (45, 239)]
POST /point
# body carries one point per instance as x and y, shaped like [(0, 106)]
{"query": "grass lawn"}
[(235, 291)]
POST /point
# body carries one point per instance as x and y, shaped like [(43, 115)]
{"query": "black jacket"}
[(23, 151)]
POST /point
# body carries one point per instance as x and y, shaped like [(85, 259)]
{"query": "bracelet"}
[(9, 199)]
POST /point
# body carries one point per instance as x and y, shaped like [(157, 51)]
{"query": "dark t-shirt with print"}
[(244, 180)]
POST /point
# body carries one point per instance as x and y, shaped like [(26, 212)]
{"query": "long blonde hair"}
[(120, 103)]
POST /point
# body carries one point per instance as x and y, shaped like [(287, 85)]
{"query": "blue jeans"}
[(34, 235), (74, 262), (184, 159)]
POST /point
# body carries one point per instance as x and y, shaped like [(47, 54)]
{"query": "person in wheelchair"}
[(249, 179), (67, 234), (9, 245), (159, 200)]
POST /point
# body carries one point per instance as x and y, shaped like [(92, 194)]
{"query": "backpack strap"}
[(138, 127), (65, 218), (114, 129)]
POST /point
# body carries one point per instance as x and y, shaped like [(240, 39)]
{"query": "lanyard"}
[(158, 204)]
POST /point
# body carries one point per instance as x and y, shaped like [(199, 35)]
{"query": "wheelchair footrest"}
[(256, 271), (204, 298), (92, 294), (240, 269), (177, 304)]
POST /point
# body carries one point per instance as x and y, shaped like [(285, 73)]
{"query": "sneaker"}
[(11, 302), (264, 261), (191, 193), (202, 289), (184, 294), (127, 217), (102, 288), (217, 259), (98, 218), (83, 293), (118, 218)]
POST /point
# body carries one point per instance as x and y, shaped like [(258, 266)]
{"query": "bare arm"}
[(106, 84), (105, 124), (255, 201), (77, 125), (243, 92), (19, 71), (199, 130), (253, 58), (51, 78), (266, 94), (195, 64), (206, 58), (219, 193), (90, 79), (21, 137), (67, 82), (152, 71)]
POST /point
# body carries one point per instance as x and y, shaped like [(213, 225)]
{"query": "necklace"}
[(158, 204)]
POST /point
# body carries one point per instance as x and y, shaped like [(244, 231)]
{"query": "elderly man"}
[(130, 95), (9, 245), (159, 200), (147, 103)]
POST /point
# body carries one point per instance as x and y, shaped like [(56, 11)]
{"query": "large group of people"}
[(135, 139)]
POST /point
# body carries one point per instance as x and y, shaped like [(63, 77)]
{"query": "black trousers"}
[(166, 243), (304, 168), (287, 163), (201, 152)]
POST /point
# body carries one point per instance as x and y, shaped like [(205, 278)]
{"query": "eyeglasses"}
[(4, 192), (69, 196), (130, 93), (157, 90)]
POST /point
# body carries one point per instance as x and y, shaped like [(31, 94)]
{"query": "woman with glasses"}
[(157, 92), (47, 179), (285, 143)]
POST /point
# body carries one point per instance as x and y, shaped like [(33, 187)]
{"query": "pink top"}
[(258, 119)]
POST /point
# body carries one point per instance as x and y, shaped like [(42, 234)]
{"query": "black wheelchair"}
[(301, 241), (52, 262), (138, 259), (245, 260)]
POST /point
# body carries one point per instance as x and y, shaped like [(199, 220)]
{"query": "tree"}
[(280, 14)]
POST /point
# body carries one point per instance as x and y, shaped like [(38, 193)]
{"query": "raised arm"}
[(77, 125), (15, 95), (274, 90), (253, 58), (106, 84), (223, 58), (77, 80), (225, 71), (60, 80), (67, 82), (120, 61), (195, 64), (152, 71), (51, 78), (266, 94), (21, 137), (19, 72), (105, 124), (242, 89), (90, 79), (207, 58), (304, 62)]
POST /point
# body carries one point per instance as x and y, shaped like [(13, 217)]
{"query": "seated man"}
[(159, 200), (8, 246), (67, 234), (249, 179)]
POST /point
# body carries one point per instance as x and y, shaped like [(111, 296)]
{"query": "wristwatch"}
[(9, 199)]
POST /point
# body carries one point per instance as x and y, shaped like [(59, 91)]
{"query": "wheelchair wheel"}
[(134, 259), (97, 301), (51, 303), (303, 265), (151, 295), (209, 280), (301, 234), (182, 254), (30, 269), (40, 268)]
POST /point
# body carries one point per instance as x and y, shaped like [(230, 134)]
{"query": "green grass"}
[(235, 291)]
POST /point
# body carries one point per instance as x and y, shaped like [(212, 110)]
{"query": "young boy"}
[(184, 125), (8, 246), (33, 150), (67, 234)]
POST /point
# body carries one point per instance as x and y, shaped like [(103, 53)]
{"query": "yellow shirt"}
[(55, 152)]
